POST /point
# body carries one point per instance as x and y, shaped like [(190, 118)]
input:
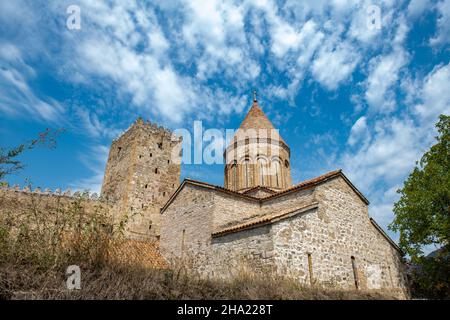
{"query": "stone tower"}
[(141, 174), (257, 156)]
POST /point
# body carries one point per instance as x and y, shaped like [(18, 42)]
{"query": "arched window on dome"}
[(246, 168), (286, 163), (277, 173), (234, 176), (262, 164)]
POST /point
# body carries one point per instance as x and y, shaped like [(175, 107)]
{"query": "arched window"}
[(277, 172), (246, 168), (234, 176), (262, 164), (286, 163)]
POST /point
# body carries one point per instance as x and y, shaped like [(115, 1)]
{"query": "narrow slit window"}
[(355, 272), (183, 239), (310, 269)]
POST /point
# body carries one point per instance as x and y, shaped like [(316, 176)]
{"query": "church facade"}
[(317, 231)]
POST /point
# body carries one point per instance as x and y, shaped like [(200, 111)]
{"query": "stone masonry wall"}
[(187, 225), (19, 202), (141, 174), (339, 230), (331, 234), (248, 251), (230, 209)]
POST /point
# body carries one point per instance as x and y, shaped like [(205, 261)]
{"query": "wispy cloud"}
[(16, 95), (95, 160)]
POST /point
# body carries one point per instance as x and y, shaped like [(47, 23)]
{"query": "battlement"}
[(48, 192), (151, 128)]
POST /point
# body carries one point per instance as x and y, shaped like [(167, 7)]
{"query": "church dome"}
[(257, 155)]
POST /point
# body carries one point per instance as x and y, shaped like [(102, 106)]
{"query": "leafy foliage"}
[(422, 216)]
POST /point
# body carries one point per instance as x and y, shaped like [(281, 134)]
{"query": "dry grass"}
[(124, 282)]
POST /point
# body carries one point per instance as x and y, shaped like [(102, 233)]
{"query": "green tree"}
[(9, 162), (422, 215)]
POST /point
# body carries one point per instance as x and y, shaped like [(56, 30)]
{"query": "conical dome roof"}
[(257, 120)]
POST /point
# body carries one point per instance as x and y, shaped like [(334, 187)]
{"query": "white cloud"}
[(95, 161), (417, 7), (392, 144), (285, 38), (16, 95), (358, 131), (334, 64), (443, 23), (384, 74), (359, 29), (92, 125), (395, 145), (435, 94)]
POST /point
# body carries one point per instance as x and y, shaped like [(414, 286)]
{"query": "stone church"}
[(316, 231)]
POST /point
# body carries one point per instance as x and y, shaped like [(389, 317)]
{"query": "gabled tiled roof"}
[(318, 180), (264, 220), (301, 186), (207, 186), (259, 188)]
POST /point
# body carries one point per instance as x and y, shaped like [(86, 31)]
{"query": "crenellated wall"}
[(22, 203), (68, 193)]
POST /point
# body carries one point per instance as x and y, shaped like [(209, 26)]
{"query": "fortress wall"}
[(17, 203), (15, 197)]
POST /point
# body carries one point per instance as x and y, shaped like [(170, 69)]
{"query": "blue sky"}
[(342, 94)]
